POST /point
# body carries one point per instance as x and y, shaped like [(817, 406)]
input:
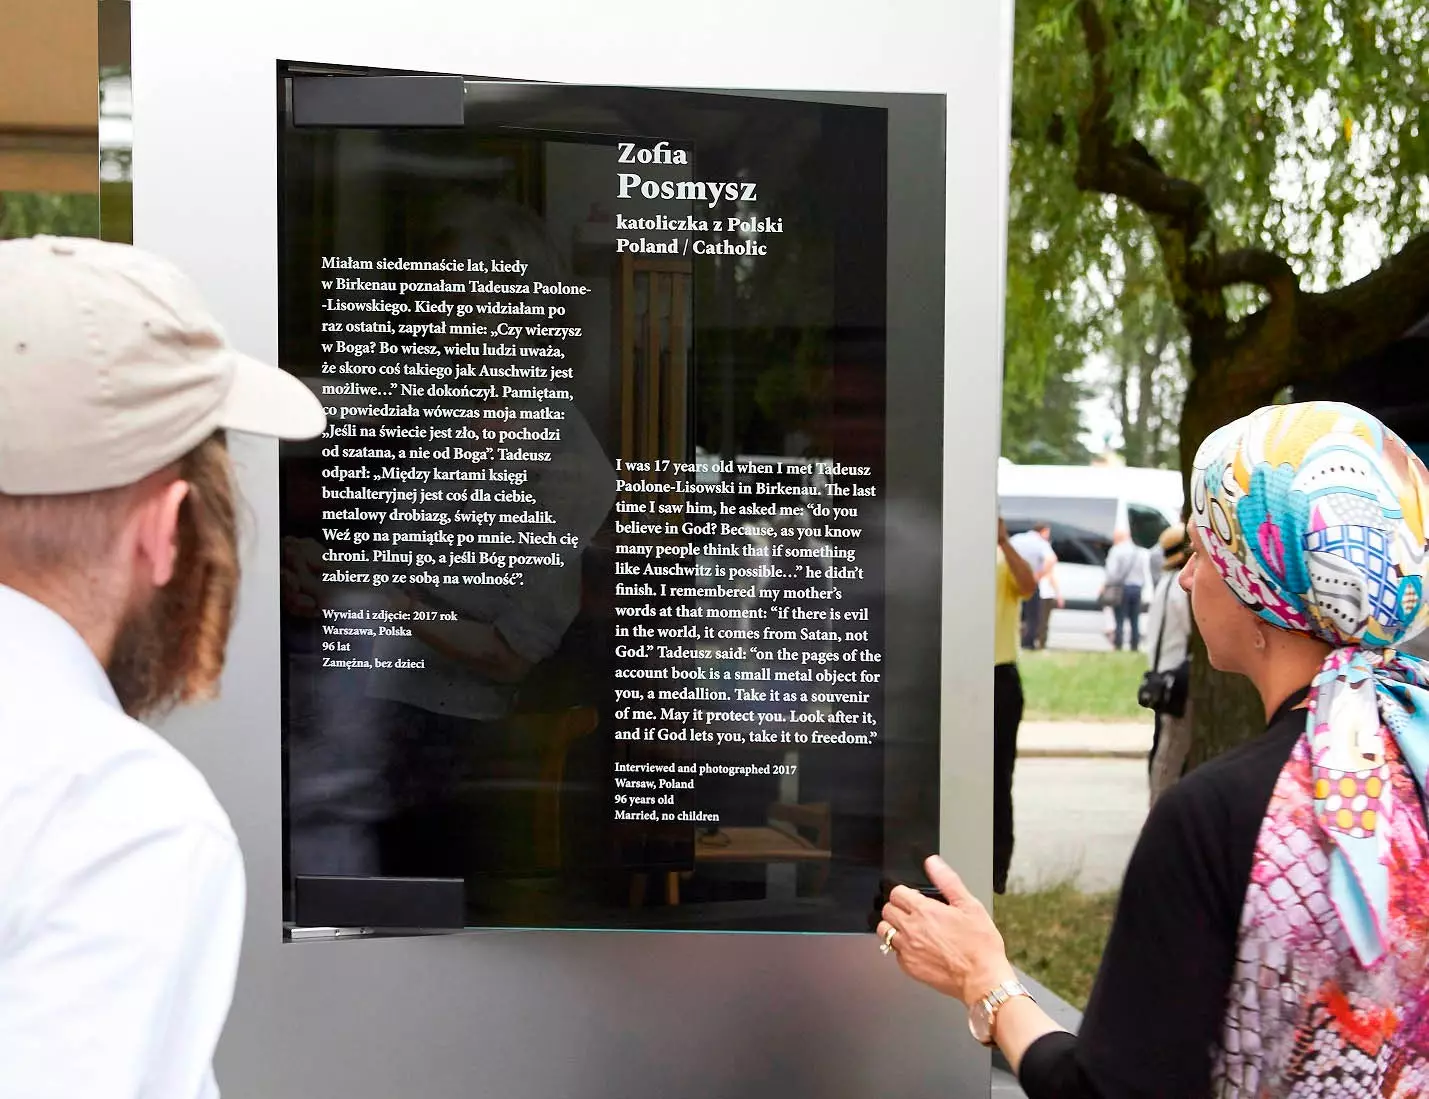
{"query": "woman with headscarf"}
[(1272, 933)]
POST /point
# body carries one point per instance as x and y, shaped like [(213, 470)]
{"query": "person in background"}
[(1126, 576), (1272, 933), (1034, 546), (1050, 591), (121, 882), (1014, 582), (1108, 616), (1156, 559), (1169, 627)]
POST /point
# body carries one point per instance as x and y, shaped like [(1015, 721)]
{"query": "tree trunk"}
[(1145, 415), (1225, 709), (1123, 410)]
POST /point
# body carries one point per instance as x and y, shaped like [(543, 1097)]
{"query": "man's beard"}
[(146, 668), (170, 645)]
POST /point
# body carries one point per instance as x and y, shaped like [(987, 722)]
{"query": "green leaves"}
[(1306, 125), (1045, 428), (28, 214)]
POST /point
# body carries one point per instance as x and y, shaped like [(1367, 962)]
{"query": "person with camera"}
[(1165, 687)]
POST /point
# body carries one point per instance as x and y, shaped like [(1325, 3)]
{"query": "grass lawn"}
[(1072, 686), (1056, 935)]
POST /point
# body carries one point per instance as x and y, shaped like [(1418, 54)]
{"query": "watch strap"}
[(993, 1001)]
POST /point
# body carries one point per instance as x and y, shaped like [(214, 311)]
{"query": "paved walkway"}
[(1080, 798), (1076, 820), (1071, 739)]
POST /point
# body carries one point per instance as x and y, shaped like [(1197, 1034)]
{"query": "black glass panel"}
[(1146, 524), (588, 588), (1086, 512)]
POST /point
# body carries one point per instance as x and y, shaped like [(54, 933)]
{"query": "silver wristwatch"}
[(982, 1016)]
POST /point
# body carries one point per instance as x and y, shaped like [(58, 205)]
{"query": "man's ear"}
[(157, 532)]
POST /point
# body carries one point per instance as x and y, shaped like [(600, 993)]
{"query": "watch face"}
[(980, 1022)]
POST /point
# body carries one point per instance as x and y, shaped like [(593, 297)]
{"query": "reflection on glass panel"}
[(1146, 524), (116, 123), (1089, 513), (1072, 545), (586, 587), (116, 128)]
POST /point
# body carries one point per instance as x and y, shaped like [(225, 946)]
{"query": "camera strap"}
[(1161, 626)]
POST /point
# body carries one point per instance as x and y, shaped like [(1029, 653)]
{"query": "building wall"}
[(49, 64)]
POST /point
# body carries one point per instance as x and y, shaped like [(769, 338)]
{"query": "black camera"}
[(1165, 692)]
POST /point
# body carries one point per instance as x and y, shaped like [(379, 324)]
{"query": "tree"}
[(1045, 428), (1146, 357), (1147, 391), (1275, 152), (27, 214)]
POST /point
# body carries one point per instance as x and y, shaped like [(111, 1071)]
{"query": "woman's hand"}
[(954, 947)]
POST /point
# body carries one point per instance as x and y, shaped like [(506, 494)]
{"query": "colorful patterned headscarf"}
[(1315, 516)]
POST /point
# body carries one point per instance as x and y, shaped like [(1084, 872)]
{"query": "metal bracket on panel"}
[(376, 102), (410, 904)]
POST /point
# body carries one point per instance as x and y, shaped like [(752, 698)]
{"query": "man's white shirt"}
[(121, 885)]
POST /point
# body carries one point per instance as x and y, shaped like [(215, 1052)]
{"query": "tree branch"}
[(1319, 336), (1257, 267), (1179, 210), (1130, 171), (1054, 133), (1339, 327), (1298, 336), (1098, 111)]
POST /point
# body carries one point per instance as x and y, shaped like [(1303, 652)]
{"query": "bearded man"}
[(121, 882)]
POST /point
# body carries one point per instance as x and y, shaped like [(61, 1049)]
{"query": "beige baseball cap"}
[(111, 368)]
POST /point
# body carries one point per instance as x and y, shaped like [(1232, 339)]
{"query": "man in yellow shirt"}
[(1015, 582)]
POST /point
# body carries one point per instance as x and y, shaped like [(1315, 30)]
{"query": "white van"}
[(1085, 506)]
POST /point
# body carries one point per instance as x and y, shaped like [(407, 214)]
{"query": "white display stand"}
[(544, 1015)]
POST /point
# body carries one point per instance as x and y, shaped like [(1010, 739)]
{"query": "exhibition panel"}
[(744, 257), (587, 581)]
